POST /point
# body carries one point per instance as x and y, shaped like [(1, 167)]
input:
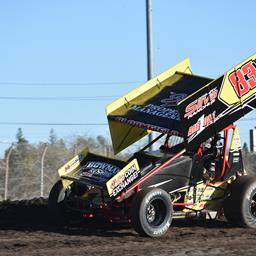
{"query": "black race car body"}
[(193, 170)]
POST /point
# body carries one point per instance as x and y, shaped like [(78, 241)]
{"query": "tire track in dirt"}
[(24, 230)]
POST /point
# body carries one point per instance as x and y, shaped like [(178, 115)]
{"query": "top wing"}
[(219, 103)]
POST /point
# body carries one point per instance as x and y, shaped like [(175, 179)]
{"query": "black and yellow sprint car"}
[(196, 169)]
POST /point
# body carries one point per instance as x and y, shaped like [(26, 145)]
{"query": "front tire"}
[(151, 212), (56, 205), (240, 206)]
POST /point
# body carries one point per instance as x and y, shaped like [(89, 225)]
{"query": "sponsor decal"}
[(235, 141), (102, 166), (201, 124), (71, 164), (123, 179), (173, 100), (101, 169), (235, 160), (244, 78), (239, 85), (84, 174), (163, 229), (204, 195), (201, 103), (152, 195), (159, 111), (145, 125)]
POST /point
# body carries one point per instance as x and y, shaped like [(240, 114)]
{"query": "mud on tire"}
[(151, 212), (240, 205)]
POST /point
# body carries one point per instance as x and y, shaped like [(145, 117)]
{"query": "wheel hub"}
[(253, 206), (151, 213)]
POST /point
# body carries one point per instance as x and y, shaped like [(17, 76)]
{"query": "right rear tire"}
[(240, 205)]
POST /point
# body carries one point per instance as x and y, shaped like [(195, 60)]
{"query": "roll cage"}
[(173, 152)]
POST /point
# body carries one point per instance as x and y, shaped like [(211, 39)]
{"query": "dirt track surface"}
[(24, 230)]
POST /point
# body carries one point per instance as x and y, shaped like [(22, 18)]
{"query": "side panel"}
[(205, 196), (219, 104), (172, 177)]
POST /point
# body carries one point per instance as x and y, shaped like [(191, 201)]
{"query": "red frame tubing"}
[(183, 204), (152, 142), (225, 161), (153, 172)]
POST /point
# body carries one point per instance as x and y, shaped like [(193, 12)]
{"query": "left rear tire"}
[(151, 212)]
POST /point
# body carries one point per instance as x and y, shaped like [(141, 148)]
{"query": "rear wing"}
[(219, 103), (152, 106)]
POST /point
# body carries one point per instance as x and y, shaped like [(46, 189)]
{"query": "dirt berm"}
[(24, 230)]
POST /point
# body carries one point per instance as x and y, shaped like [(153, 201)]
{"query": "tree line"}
[(25, 162), (26, 158)]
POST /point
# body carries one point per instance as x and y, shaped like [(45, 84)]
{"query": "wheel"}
[(151, 212), (56, 206), (240, 205)]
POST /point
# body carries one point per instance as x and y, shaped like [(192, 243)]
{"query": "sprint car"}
[(196, 168)]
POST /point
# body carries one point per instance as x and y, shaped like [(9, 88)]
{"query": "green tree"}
[(245, 148), (20, 137), (53, 137)]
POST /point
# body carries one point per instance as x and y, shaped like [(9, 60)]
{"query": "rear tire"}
[(240, 206), (151, 212), (56, 205)]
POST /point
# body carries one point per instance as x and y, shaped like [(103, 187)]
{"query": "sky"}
[(64, 61)]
